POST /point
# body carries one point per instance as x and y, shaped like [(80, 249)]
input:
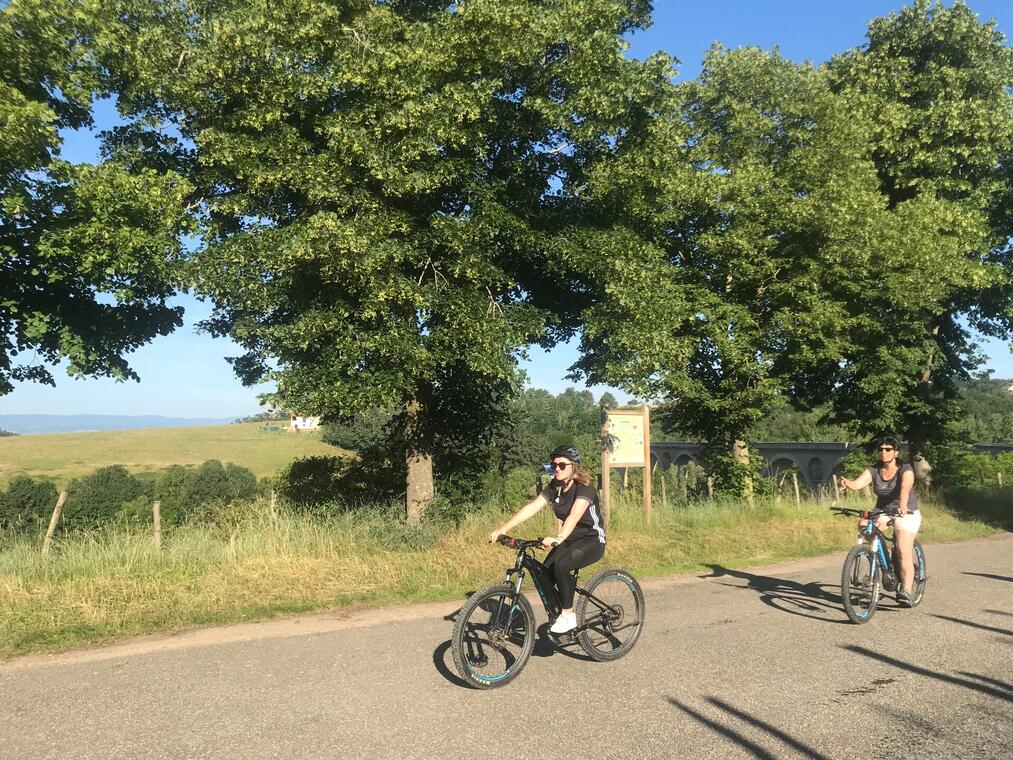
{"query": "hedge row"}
[(112, 493)]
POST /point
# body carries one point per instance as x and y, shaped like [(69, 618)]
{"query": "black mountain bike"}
[(495, 630), (867, 570)]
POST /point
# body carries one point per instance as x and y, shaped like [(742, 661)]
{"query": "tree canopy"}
[(86, 252), (380, 186)]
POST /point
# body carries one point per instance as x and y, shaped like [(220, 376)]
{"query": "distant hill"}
[(33, 424)]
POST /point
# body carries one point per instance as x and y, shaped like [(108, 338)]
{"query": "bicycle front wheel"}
[(860, 583), (613, 610), (920, 578), (493, 636)]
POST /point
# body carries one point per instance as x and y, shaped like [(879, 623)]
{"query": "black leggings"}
[(567, 557)]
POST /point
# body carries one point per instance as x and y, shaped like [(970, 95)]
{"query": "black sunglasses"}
[(887, 448), (560, 465)]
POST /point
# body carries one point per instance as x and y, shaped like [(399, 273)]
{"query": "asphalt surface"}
[(740, 663)]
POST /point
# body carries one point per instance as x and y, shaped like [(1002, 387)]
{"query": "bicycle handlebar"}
[(866, 513), (519, 543)]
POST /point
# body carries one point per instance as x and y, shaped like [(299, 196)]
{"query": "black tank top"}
[(888, 490)]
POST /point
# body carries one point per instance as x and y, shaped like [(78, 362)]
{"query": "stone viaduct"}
[(816, 462)]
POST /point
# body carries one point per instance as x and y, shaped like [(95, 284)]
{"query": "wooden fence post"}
[(156, 516), (274, 504), (710, 487), (794, 482), (57, 510), (606, 486), (648, 469)]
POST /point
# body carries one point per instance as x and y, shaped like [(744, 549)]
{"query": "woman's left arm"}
[(907, 482), (577, 511)]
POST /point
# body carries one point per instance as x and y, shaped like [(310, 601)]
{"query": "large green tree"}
[(380, 186), (752, 207), (936, 86), (85, 252)]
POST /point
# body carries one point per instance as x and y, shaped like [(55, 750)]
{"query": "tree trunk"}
[(916, 434), (740, 453), (419, 455)]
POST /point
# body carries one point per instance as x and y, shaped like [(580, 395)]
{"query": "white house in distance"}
[(301, 422), (1008, 387)]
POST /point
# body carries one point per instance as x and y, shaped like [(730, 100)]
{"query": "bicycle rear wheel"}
[(613, 609), (920, 578), (860, 583), (493, 636)]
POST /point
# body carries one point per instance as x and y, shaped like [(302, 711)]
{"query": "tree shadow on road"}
[(812, 600), (990, 628), (741, 739), (1006, 578), (967, 684)]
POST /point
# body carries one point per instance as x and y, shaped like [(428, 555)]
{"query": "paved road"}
[(757, 663)]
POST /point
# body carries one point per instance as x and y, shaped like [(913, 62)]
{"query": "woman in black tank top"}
[(893, 484)]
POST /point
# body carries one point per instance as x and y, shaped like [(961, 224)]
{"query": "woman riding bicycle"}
[(894, 487), (580, 539)]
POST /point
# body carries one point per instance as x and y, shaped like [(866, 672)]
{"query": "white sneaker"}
[(566, 621)]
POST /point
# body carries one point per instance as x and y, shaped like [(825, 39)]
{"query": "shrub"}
[(186, 491), (519, 486), (97, 498), (312, 481), (26, 503)]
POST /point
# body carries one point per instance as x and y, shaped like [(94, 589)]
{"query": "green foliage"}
[(381, 183), (519, 486), (987, 413), (185, 491), (88, 251), (956, 467), (365, 430), (747, 212), (337, 483), (26, 503), (936, 87), (6, 433), (97, 498), (312, 481), (990, 504), (271, 416)]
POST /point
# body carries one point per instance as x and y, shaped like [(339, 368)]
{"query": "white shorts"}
[(909, 523)]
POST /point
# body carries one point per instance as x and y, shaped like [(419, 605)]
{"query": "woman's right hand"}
[(494, 535)]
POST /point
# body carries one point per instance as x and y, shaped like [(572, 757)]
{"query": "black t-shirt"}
[(590, 524)]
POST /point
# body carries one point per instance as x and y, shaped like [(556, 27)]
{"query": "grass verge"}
[(114, 583)]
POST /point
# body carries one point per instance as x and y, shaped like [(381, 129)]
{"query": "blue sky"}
[(185, 374)]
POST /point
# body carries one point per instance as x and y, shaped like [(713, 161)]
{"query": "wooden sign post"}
[(627, 444)]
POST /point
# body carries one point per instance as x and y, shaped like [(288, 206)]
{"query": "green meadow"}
[(60, 457)]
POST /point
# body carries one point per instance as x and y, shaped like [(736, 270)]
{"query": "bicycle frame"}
[(546, 589), (873, 535)]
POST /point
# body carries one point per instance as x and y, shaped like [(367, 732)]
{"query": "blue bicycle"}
[(867, 569)]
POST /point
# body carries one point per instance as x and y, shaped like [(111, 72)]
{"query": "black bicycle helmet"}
[(566, 451), (888, 440)]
